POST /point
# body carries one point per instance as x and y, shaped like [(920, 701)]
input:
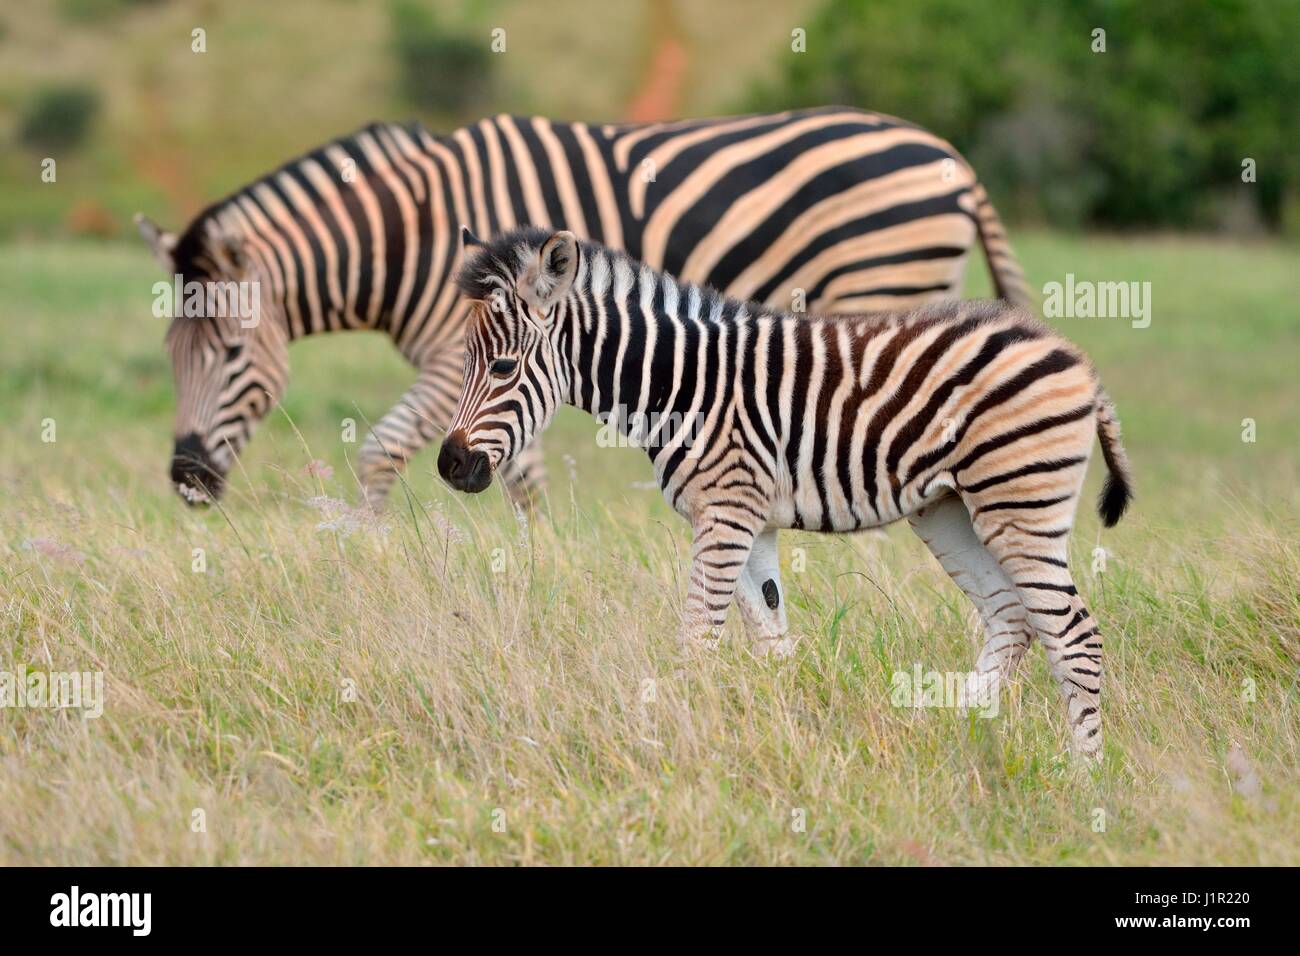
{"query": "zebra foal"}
[(972, 420)]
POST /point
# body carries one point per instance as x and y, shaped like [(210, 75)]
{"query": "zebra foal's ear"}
[(557, 266), (161, 242), (467, 239)]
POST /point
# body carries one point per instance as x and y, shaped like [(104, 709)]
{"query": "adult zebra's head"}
[(229, 353), (520, 285)]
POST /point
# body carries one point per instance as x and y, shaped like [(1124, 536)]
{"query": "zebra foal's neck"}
[(649, 353)]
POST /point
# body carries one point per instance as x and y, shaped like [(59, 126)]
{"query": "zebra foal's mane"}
[(498, 263)]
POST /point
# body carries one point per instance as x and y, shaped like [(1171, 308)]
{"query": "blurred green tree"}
[(440, 71), (1152, 131)]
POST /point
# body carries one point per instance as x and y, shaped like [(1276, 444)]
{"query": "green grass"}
[(548, 694)]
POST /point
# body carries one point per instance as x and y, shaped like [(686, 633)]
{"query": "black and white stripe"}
[(972, 420), (831, 210)]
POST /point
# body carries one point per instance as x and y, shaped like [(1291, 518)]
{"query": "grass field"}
[(446, 685)]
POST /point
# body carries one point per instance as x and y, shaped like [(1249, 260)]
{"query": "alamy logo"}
[(621, 428), (208, 300), (134, 910), (56, 690), (1084, 299), (963, 690)]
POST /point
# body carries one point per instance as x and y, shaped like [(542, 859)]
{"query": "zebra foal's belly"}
[(813, 506)]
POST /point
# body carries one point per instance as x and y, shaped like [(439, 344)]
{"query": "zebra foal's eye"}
[(503, 366)]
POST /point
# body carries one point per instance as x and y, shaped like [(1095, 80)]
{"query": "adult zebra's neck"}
[(357, 234)]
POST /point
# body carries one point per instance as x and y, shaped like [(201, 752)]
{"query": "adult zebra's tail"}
[(1117, 491), (1008, 277)]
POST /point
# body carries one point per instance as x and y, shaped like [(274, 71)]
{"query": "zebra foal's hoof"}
[(776, 648)]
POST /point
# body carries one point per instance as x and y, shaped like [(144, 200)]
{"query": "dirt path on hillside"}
[(154, 156), (658, 97)]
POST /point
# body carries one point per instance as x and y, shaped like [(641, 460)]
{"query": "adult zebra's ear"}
[(234, 256), (557, 266), (161, 242)]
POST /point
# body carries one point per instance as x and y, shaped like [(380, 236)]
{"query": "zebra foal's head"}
[(520, 285), (229, 354)]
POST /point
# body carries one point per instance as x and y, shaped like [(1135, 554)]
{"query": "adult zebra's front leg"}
[(419, 418), (719, 554)]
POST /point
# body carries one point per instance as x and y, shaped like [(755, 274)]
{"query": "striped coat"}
[(828, 210), (974, 421)]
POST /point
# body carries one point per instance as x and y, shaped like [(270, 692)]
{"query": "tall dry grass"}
[(449, 685)]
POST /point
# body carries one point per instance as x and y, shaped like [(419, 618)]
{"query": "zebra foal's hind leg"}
[(762, 599), (1028, 533), (946, 529)]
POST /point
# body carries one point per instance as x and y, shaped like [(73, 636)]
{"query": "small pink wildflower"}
[(54, 549)]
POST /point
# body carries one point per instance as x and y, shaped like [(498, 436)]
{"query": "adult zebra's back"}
[(828, 210)]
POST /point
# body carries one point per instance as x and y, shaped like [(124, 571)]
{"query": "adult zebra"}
[(973, 420), (833, 209)]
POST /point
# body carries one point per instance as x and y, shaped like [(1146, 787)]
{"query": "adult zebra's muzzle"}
[(462, 467), (196, 478)]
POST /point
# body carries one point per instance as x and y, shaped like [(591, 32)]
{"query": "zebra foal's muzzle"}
[(462, 467), (196, 478)]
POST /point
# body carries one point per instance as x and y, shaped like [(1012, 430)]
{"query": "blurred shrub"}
[(439, 71), (97, 11), (58, 117), (1152, 132)]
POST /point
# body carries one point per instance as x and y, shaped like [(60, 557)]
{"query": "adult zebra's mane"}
[(191, 252)]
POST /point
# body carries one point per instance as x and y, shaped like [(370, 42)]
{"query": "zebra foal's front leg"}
[(762, 599), (719, 554)]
